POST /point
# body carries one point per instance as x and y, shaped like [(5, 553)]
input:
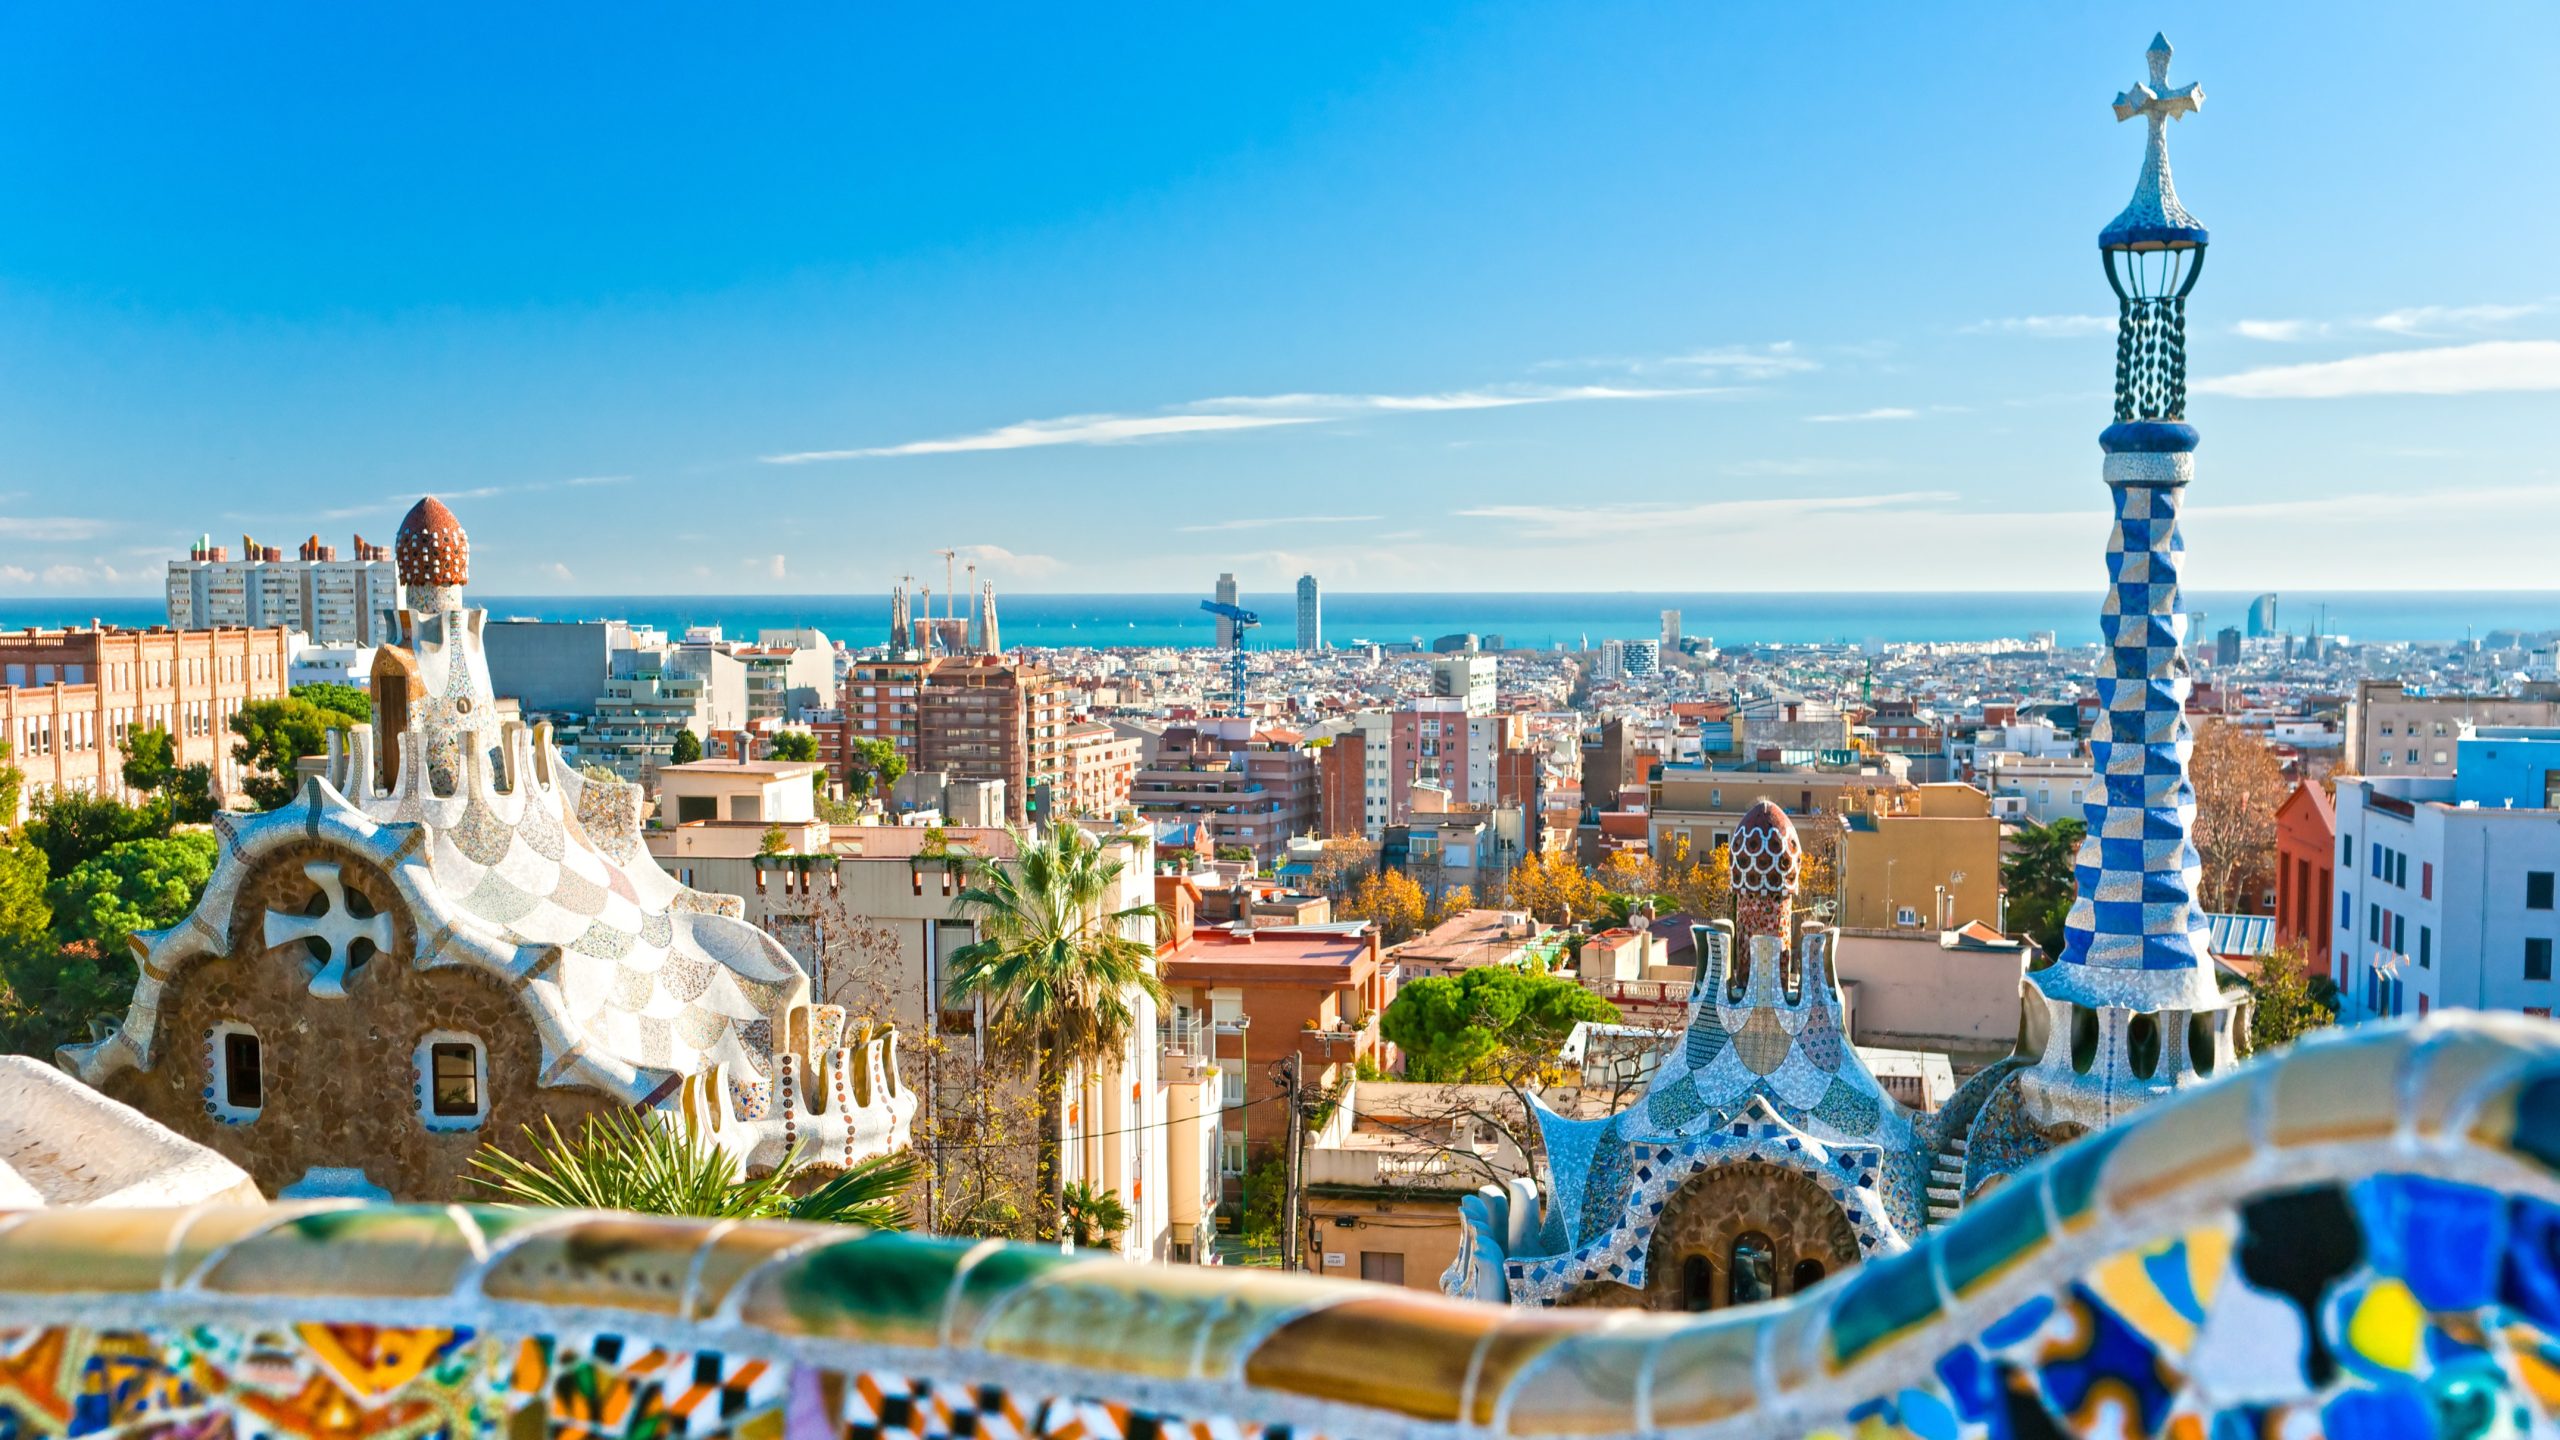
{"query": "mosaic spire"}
[(2133, 1001)]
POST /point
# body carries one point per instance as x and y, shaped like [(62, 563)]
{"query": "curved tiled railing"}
[(2367, 1227)]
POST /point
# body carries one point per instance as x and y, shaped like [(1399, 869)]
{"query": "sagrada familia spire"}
[(2133, 1006)]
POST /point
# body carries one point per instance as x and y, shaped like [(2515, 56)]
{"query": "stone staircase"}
[(1946, 1181)]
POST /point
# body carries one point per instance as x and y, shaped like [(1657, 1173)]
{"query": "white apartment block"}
[(333, 601), (2446, 885)]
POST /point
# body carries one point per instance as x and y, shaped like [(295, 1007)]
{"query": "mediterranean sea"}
[(1521, 620)]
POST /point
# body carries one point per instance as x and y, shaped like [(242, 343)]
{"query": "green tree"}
[(872, 765), (13, 783), (72, 828), (795, 745), (773, 841), (343, 699), (276, 733), (1493, 1023), (1266, 1184), (25, 913), (629, 1160), (151, 766), (688, 748), (2038, 878), (1094, 1217), (137, 885), (1057, 967), (2292, 999)]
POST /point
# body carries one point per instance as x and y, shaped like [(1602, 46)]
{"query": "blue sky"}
[(1578, 296)]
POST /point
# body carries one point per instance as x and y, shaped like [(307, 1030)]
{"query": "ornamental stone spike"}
[(2155, 219)]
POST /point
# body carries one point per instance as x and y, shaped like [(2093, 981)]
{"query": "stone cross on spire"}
[(2155, 219), (2157, 99)]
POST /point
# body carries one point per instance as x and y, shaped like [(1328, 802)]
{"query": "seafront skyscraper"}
[(1226, 593), (1310, 614)]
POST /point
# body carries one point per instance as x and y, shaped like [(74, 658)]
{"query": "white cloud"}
[(1233, 412), (16, 575), (1066, 430), (597, 480), (2280, 331), (1494, 398), (1267, 521), (41, 528), (2430, 320), (1887, 412), (1765, 362), (2482, 368), (1582, 522), (558, 571), (772, 566), (2045, 327), (994, 560)]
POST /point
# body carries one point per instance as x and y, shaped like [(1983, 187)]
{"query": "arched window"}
[(1808, 1273), (1755, 1268), (1697, 1283)]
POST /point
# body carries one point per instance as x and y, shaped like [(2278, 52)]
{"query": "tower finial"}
[(2155, 220)]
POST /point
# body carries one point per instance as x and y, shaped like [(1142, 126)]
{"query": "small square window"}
[(244, 1085), (453, 1082), (2537, 890), (455, 1088)]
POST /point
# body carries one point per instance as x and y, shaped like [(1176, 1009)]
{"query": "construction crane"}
[(1239, 620)]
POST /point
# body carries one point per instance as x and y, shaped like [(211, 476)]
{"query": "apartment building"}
[(2446, 885), (2393, 731), (1466, 678), (69, 698), (1925, 858), (1230, 787), (1100, 770), (880, 699), (1241, 999), (2306, 870), (354, 601), (987, 717), (1701, 804)]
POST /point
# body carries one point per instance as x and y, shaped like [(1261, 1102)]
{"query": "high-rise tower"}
[(1226, 593), (1310, 614), (2132, 1001)]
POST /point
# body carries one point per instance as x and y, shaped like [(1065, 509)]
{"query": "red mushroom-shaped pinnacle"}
[(431, 549)]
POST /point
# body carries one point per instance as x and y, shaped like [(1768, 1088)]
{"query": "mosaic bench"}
[(2357, 1238)]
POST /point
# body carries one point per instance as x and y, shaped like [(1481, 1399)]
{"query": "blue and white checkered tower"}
[(2133, 1006)]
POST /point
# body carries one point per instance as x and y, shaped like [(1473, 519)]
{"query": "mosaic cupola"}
[(1768, 868), (2132, 1008)]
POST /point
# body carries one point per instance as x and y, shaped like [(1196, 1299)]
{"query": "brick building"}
[(69, 698), (2306, 871), (985, 717)]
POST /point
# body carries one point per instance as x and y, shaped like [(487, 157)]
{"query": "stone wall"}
[(341, 1075), (1750, 1197)]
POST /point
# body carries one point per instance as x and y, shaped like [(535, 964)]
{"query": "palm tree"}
[(1059, 971), (1093, 1216), (626, 1160)]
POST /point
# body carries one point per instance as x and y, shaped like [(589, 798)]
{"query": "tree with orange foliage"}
[(1390, 900), (2239, 785)]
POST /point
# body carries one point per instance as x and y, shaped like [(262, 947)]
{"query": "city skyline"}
[(1558, 300)]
